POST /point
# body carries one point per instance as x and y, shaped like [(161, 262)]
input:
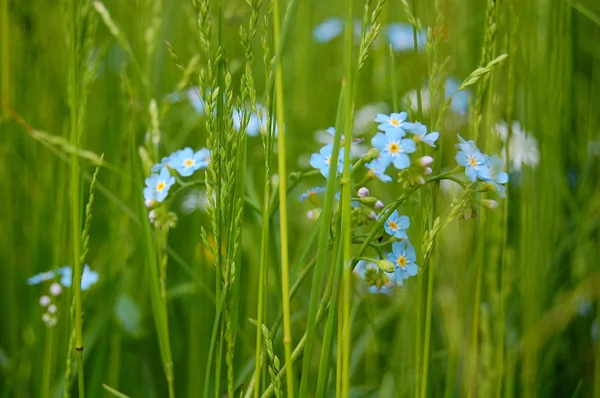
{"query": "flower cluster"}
[(184, 161), (88, 278), (50, 316), (481, 166)]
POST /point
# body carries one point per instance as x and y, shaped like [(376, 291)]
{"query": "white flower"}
[(55, 289), (51, 309), (523, 147), (44, 301)]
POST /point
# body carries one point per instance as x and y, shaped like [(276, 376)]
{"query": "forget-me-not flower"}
[(400, 37), (311, 193), (403, 256), (157, 185), (377, 169), (393, 122), (497, 175), (186, 161), (393, 148), (164, 162), (196, 101), (322, 160), (396, 225), (328, 30), (473, 160), (460, 99), (419, 133), (88, 278)]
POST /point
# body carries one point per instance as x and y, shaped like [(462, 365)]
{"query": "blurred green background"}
[(536, 331)]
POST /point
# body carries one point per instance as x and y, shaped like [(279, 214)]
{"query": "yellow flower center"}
[(401, 261), (328, 160), (371, 172), (393, 225), (393, 148), (395, 122), (161, 185), (472, 161), (311, 194), (189, 162), (416, 138)]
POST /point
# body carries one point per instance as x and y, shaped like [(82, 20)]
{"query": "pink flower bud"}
[(152, 216), (427, 171), (149, 203), (55, 289), (363, 192), (373, 215), (425, 161), (379, 205), (44, 301), (51, 309)]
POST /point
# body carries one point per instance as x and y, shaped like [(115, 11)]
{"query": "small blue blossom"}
[(328, 30), (394, 149), (257, 122), (41, 277), (393, 122), (88, 278), (403, 256), (196, 101), (473, 160), (163, 163), (460, 99), (419, 132), (157, 185), (186, 161), (396, 225), (311, 193), (322, 160), (377, 169), (400, 37), (389, 278), (497, 175)]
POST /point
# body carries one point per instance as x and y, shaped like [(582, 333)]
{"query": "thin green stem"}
[(283, 222)]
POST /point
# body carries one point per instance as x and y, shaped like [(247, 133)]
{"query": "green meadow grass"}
[(246, 296)]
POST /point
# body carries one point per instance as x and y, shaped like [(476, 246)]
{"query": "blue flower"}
[(163, 163), (257, 122), (186, 161), (400, 36), (311, 193), (393, 122), (419, 132), (498, 176), (396, 225), (41, 277), (403, 256), (88, 278), (377, 169), (393, 148), (196, 100), (460, 99), (322, 160), (328, 30), (388, 279), (473, 160), (157, 185)]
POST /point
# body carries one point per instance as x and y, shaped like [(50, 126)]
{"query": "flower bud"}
[(313, 215), (369, 201), (425, 161), (51, 309), (421, 180), (152, 216), (149, 203), (373, 215), (371, 155), (46, 318), (385, 265), (55, 289), (489, 203), (379, 205), (427, 171), (363, 192), (44, 301)]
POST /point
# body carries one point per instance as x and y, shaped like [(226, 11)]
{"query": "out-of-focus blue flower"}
[(322, 160), (473, 160), (41, 277), (400, 37), (403, 256), (311, 193), (419, 132), (396, 225), (377, 169), (328, 30), (186, 161), (394, 149), (393, 122), (257, 122), (163, 163), (497, 175), (389, 278), (157, 185), (460, 99), (88, 278), (195, 99)]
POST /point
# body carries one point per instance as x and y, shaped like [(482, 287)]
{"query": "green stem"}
[(283, 222)]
